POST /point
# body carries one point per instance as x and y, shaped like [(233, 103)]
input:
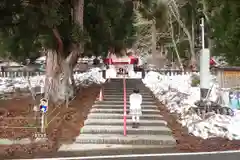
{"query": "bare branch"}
[(175, 12), (174, 43)]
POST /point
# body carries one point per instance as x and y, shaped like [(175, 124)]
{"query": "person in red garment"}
[(212, 62), (135, 107)]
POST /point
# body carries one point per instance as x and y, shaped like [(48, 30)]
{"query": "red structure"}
[(109, 61), (124, 108)]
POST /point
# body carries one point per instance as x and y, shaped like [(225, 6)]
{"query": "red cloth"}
[(212, 62)]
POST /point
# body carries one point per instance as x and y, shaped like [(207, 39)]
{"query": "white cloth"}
[(135, 101), (135, 104), (135, 112)]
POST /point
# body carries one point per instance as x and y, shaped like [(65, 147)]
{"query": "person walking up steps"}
[(135, 107)]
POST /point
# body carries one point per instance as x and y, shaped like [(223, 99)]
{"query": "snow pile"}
[(179, 97), (8, 85), (94, 75)]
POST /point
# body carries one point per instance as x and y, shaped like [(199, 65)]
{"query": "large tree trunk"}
[(78, 17), (57, 78), (59, 83), (58, 71), (71, 61)]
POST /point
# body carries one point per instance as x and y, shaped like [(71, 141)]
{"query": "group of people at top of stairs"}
[(122, 55), (135, 107)]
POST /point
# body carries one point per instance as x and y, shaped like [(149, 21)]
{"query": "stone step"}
[(120, 106), (121, 96), (117, 122), (110, 95), (120, 116), (121, 102), (133, 83), (127, 90), (128, 93), (102, 133), (78, 149), (128, 85), (121, 93), (113, 110), (108, 129), (128, 140), (117, 87)]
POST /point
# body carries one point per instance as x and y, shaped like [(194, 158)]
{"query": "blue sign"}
[(43, 108), (234, 99), (43, 105)]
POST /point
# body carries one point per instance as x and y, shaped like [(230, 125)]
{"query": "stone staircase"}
[(102, 133)]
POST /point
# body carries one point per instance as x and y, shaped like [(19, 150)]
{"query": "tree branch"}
[(175, 12), (174, 43), (59, 40)]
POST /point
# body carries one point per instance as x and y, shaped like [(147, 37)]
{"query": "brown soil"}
[(189, 143), (64, 124)]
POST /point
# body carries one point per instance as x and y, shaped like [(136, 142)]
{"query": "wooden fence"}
[(171, 72), (14, 74)]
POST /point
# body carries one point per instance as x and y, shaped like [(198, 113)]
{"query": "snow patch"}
[(178, 96), (9, 85)]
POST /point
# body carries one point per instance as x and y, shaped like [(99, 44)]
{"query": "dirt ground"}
[(64, 124), (189, 143)]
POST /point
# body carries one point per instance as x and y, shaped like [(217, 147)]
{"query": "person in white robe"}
[(135, 107)]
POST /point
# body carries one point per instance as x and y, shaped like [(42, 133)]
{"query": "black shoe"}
[(134, 125)]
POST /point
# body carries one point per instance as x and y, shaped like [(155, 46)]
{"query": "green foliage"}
[(109, 23), (28, 30), (155, 10), (195, 80), (28, 26), (222, 26), (226, 31), (78, 34)]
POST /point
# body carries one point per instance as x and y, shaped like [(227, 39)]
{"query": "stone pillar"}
[(204, 72)]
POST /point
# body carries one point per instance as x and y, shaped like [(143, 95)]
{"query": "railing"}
[(171, 72), (124, 108), (14, 74)]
